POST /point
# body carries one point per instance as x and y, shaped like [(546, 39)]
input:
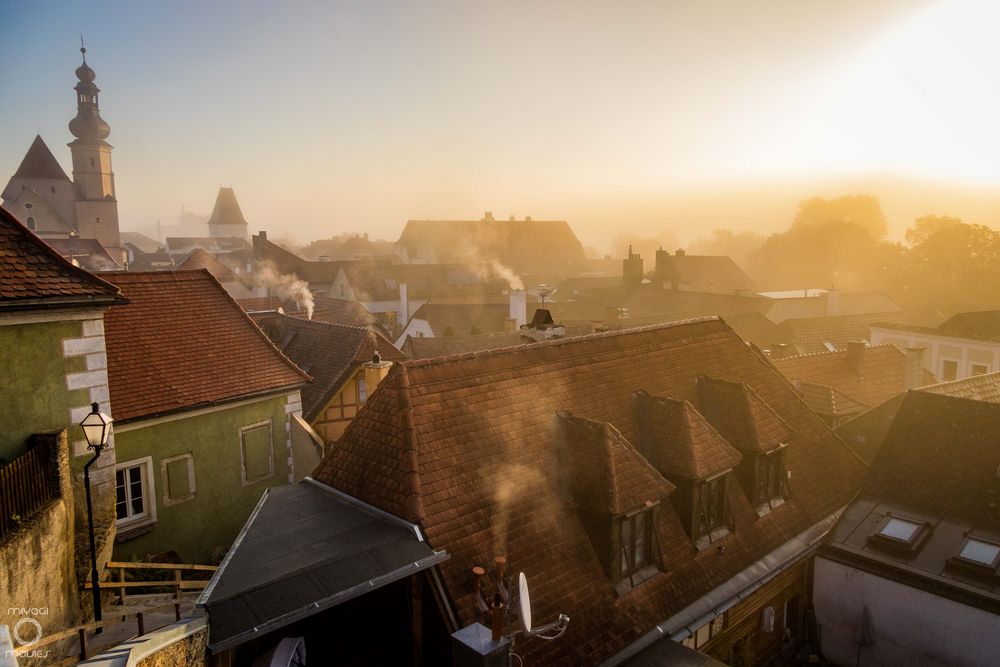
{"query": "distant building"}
[(966, 344), (909, 575), (47, 202), (827, 333), (227, 219), (700, 273), (800, 303)]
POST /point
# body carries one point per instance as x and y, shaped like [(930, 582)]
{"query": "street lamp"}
[(96, 429)]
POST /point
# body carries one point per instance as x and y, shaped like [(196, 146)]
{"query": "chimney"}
[(375, 371), (832, 302), (527, 218), (856, 355), (632, 269), (488, 216), (474, 646), (680, 252), (914, 367), (404, 305), (519, 307)]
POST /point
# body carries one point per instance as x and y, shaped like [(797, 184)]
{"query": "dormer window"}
[(900, 535), (713, 515), (770, 489), (636, 541)]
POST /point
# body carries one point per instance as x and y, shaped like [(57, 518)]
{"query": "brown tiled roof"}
[(709, 273), (881, 376), (755, 328), (226, 210), (679, 441), (286, 262), (742, 416), (824, 400), (531, 247), (467, 446), (984, 325), (183, 343), (88, 253), (34, 275), (39, 162), (200, 259), (977, 387), (330, 353), (941, 455), (811, 333), (608, 476), (379, 280), (443, 346)]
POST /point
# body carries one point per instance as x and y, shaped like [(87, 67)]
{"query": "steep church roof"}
[(39, 162), (227, 209)]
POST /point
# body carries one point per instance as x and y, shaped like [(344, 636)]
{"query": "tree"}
[(864, 210)]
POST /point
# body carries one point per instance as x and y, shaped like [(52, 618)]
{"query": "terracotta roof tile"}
[(330, 353), (183, 342), (467, 446), (607, 475), (977, 387), (33, 274), (811, 334), (880, 375), (200, 259), (679, 441), (742, 416)]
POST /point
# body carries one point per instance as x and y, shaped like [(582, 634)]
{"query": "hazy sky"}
[(327, 117)]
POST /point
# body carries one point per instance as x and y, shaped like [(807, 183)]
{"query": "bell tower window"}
[(30, 222)]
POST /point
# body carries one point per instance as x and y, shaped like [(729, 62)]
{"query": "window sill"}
[(638, 578), (770, 506), (133, 530), (711, 539)]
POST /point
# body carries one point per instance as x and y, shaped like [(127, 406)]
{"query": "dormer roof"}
[(605, 473), (679, 441), (742, 416)]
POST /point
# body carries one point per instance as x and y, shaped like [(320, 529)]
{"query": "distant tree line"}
[(945, 264)]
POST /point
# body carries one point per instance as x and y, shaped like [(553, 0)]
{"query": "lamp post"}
[(96, 429)]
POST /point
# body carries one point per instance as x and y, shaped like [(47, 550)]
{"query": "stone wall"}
[(191, 651), (38, 561)]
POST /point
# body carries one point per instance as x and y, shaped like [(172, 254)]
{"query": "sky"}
[(327, 117)]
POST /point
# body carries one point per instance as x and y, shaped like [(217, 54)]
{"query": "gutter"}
[(52, 303), (736, 589), (212, 404)]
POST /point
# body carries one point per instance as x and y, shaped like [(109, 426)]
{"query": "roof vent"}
[(376, 358)]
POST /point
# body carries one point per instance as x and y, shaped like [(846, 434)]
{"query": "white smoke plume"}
[(488, 267), (288, 286)]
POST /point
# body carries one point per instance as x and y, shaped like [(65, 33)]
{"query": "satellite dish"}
[(525, 601)]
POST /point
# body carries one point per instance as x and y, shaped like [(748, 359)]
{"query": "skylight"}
[(900, 529), (977, 551)]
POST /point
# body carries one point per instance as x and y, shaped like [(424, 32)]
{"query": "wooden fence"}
[(27, 484)]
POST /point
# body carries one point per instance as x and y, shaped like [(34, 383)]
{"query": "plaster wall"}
[(911, 626), (964, 352), (200, 527)]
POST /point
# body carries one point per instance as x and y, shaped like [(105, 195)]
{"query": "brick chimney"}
[(856, 355), (375, 372), (519, 307), (914, 367), (632, 269)]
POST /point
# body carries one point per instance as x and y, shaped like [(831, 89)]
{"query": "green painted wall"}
[(33, 393), (198, 528)]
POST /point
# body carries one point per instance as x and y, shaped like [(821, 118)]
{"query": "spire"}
[(88, 124), (227, 209)]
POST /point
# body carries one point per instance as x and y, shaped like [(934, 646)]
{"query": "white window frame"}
[(270, 450), (958, 369), (167, 499), (148, 494)]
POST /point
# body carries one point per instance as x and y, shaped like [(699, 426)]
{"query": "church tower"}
[(96, 205)]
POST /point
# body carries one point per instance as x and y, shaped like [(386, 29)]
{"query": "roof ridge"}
[(868, 346), (413, 501), (481, 354)]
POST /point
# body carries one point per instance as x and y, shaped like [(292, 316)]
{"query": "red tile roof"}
[(609, 477), (742, 416), (811, 334), (200, 259), (34, 275), (680, 441), (466, 446), (881, 375), (703, 273), (184, 343), (330, 353)]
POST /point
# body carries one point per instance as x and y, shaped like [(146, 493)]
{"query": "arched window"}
[(30, 222)]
